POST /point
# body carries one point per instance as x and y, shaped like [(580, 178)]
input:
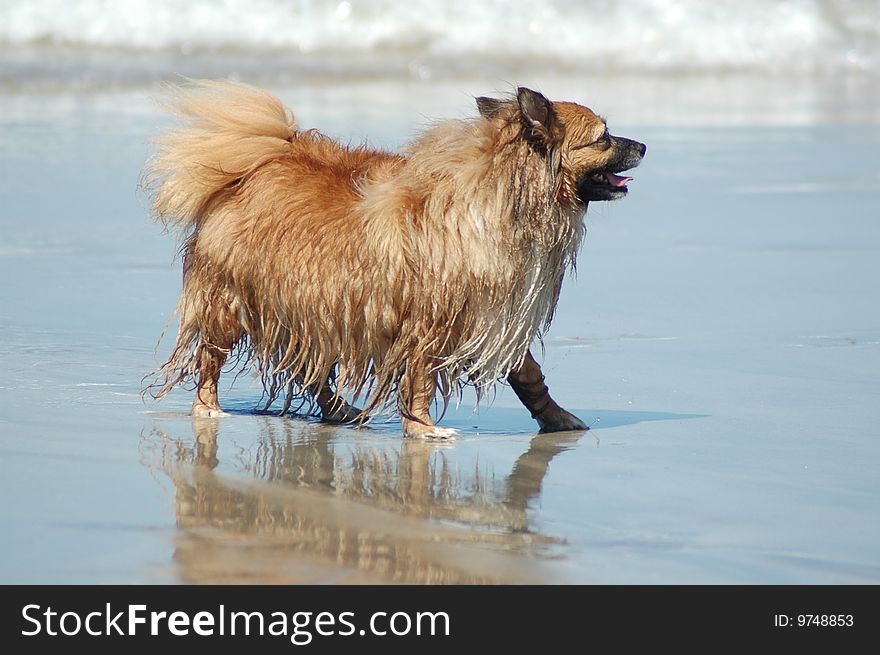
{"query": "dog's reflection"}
[(306, 504)]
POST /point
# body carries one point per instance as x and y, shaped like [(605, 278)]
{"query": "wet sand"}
[(722, 336)]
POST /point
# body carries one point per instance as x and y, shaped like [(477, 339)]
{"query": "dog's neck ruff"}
[(509, 239)]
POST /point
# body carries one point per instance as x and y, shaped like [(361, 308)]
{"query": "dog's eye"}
[(604, 141)]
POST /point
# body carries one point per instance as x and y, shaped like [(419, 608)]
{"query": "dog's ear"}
[(537, 114), (488, 107)]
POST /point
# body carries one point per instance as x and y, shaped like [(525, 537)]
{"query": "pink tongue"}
[(617, 180)]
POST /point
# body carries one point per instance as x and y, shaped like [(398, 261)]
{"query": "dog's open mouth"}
[(610, 179), (603, 186)]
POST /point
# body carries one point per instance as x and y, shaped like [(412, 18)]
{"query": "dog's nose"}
[(642, 149)]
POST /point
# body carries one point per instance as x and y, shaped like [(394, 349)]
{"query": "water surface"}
[(722, 336)]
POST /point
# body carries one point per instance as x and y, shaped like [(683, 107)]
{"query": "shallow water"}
[(722, 337)]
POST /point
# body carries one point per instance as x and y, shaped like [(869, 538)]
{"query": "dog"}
[(389, 278)]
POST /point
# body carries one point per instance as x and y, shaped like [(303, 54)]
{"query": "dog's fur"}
[(389, 277)]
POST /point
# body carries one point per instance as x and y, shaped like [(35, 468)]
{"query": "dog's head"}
[(591, 157)]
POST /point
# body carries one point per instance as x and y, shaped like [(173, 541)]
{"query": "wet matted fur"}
[(385, 277)]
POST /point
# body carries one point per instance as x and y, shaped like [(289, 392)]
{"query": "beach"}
[(721, 337)]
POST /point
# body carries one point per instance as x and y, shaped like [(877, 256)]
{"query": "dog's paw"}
[(344, 413), (560, 421), (429, 432), (441, 434), (203, 411)]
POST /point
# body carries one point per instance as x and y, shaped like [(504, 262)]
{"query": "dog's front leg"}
[(528, 385), (416, 397)]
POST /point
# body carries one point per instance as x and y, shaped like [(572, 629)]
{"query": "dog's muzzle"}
[(606, 184)]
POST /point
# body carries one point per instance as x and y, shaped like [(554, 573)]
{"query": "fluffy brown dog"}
[(387, 277)]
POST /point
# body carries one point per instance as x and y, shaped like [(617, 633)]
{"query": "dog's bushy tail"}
[(227, 130)]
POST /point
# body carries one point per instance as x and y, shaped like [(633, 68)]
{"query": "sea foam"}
[(592, 35)]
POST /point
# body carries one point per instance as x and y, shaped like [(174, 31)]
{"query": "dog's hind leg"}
[(334, 408), (219, 330), (528, 385), (415, 405), (209, 361)]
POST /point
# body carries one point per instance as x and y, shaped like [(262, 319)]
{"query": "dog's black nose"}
[(643, 149)]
